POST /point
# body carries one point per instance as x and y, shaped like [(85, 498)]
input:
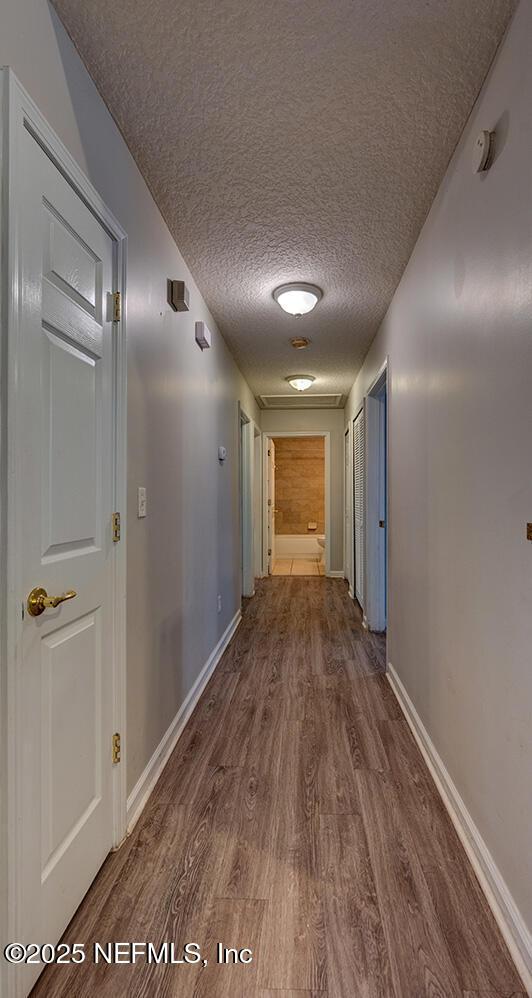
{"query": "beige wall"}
[(299, 484), (459, 339), (182, 404), (314, 421)]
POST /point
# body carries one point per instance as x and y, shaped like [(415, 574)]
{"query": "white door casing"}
[(246, 503), (376, 503), (66, 471), (348, 494), (271, 505), (359, 505), (375, 534)]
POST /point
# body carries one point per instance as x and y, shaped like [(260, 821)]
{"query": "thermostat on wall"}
[(203, 336)]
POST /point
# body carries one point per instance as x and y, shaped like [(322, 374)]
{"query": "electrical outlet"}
[(142, 502), (219, 603)]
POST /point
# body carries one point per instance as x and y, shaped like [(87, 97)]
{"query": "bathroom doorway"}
[(297, 503)]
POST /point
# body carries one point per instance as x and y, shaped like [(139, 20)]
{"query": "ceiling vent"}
[(301, 401)]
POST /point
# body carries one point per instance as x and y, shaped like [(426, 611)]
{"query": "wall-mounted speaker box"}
[(178, 296), (203, 336)]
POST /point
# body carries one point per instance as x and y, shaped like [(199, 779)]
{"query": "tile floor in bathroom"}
[(304, 565)]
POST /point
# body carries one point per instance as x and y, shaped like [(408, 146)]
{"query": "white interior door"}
[(359, 504), (271, 505), (65, 474)]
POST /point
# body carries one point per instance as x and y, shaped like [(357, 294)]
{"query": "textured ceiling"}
[(291, 140)]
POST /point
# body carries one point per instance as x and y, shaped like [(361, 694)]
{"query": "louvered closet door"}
[(359, 503)]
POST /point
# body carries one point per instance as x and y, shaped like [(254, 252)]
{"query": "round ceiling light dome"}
[(297, 299), (300, 381)]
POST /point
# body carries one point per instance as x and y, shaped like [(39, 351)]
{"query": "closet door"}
[(359, 503)]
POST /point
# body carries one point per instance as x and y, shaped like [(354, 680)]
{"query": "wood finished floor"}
[(295, 817)]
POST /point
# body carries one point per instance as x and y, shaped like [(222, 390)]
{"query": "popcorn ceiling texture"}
[(291, 140)]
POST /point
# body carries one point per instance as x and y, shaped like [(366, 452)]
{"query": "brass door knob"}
[(39, 600)]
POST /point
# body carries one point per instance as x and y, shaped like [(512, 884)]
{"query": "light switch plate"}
[(142, 502)]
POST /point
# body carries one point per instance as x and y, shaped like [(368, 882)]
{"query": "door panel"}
[(65, 413), (71, 693), (70, 265), (71, 494)]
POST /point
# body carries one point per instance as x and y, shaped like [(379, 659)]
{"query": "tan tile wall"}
[(299, 484)]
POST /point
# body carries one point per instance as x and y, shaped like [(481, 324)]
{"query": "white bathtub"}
[(297, 545)]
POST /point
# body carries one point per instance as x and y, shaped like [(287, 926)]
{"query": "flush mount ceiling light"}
[(300, 342), (297, 299), (300, 381)]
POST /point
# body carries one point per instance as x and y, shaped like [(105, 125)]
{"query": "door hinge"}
[(382, 523), (116, 527), (269, 552), (117, 306), (269, 502), (116, 747)]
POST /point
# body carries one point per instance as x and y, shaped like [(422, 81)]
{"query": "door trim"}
[(377, 560), (19, 113), (272, 434), (348, 509), (246, 483), (376, 463)]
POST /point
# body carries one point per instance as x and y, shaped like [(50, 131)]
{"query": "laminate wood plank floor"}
[(296, 818)]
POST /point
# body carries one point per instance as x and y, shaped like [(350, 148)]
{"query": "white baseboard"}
[(148, 778), (351, 592), (335, 575), (507, 915)]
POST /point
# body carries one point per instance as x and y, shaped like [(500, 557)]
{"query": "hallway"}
[(297, 818)]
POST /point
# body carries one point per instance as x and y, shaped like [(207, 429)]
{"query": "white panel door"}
[(66, 477), (359, 504)]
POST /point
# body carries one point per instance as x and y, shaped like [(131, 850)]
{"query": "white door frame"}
[(246, 502), (376, 547), (257, 502), (360, 411), (348, 508), (271, 435), (18, 112)]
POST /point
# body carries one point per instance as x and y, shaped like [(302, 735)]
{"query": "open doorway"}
[(296, 505)]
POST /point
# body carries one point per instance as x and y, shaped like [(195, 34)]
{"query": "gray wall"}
[(308, 421), (182, 403), (459, 338)]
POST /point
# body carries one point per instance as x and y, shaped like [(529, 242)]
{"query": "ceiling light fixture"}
[(297, 299), (300, 381), (300, 342)]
